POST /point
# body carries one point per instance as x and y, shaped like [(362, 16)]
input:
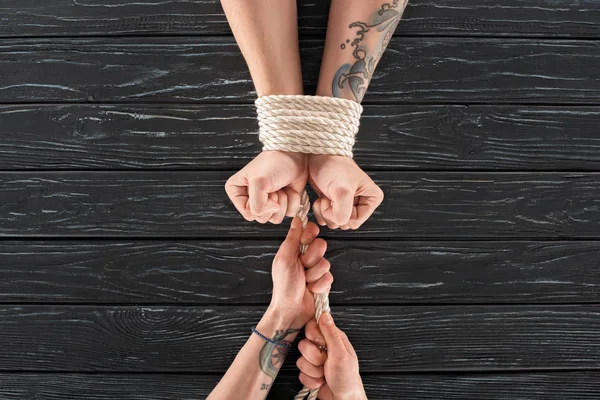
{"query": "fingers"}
[(339, 210), (289, 249), (311, 352), (347, 344), (326, 214), (314, 254), (307, 368), (313, 333), (310, 382), (317, 211), (282, 200), (259, 189), (309, 234), (366, 205), (293, 201), (237, 190), (318, 271), (333, 336), (263, 219), (323, 285), (268, 188), (347, 195)]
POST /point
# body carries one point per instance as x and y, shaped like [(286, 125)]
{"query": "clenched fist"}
[(335, 372), (347, 195), (268, 188)]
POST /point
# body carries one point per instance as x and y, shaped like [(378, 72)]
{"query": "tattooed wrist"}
[(272, 355), (278, 328)]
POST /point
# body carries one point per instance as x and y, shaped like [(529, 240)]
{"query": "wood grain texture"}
[(568, 18), (194, 204), (224, 137), (462, 386), (198, 339), (237, 272), (211, 69)]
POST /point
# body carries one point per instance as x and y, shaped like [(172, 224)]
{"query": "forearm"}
[(267, 33), (256, 366), (358, 33)]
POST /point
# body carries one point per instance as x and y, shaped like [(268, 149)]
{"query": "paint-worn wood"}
[(237, 272), (200, 17), (194, 204), (387, 339), (224, 137), (449, 70), (461, 386)]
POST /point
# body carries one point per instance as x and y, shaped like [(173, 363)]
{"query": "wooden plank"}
[(211, 69), (194, 204), (224, 137), (569, 18), (463, 386), (237, 272), (197, 339)]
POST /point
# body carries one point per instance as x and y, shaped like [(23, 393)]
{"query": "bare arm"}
[(268, 188), (358, 33), (357, 36), (267, 33)]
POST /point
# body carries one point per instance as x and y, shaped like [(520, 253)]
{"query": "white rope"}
[(321, 299), (310, 125)]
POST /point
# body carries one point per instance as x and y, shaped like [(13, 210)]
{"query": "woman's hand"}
[(347, 195), (295, 276), (268, 188), (334, 372)]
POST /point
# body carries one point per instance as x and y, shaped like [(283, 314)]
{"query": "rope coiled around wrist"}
[(308, 124)]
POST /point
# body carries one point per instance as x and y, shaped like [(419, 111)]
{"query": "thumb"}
[(332, 335), (290, 248), (295, 232), (342, 201)]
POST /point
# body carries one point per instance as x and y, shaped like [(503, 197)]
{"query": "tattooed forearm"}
[(271, 357), (370, 41)]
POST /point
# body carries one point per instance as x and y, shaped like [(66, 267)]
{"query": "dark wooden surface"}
[(193, 204), (453, 137), (431, 70), (565, 18), (123, 265), (492, 386), (235, 272), (389, 338)]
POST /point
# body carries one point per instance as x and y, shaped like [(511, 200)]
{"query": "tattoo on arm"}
[(351, 80), (271, 357)]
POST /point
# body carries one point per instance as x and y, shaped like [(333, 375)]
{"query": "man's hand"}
[(295, 276), (347, 195), (268, 188), (335, 372)]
